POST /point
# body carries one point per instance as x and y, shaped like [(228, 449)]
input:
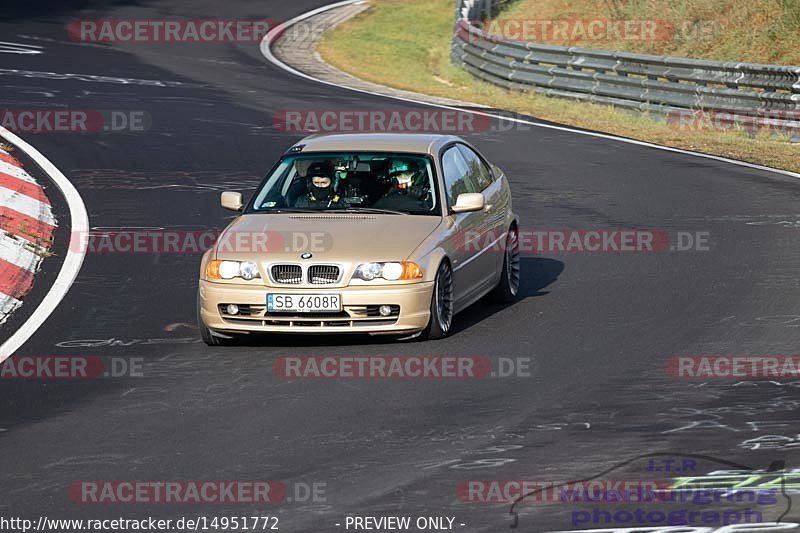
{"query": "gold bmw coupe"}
[(362, 233)]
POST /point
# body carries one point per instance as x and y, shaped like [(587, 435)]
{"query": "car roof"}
[(418, 143)]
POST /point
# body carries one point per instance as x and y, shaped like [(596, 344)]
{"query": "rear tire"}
[(508, 287), (441, 321), (207, 336)]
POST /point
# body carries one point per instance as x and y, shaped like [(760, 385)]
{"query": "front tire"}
[(441, 320), (508, 286)]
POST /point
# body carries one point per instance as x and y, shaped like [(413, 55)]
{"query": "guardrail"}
[(749, 94)]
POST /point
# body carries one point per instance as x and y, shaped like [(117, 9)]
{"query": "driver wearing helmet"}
[(321, 192)]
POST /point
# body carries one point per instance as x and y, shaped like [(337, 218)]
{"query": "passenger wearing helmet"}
[(321, 191), (410, 190)]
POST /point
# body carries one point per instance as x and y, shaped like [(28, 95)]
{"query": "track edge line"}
[(76, 249)]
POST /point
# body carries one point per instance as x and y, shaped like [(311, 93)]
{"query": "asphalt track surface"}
[(597, 327)]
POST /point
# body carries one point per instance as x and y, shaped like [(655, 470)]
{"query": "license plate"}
[(304, 303)]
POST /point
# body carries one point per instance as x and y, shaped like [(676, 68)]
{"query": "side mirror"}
[(469, 201), (232, 200)]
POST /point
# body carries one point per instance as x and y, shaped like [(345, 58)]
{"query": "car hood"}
[(328, 236)]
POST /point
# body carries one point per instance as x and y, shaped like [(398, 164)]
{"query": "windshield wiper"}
[(289, 210), (369, 210)]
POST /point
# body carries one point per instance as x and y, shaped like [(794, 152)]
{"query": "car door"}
[(470, 266), (493, 223)]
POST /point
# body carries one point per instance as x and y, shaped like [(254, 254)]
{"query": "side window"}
[(478, 171), (456, 175)]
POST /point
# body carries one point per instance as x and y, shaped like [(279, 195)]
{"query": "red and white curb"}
[(26, 230)]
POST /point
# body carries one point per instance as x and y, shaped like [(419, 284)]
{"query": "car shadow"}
[(537, 274)]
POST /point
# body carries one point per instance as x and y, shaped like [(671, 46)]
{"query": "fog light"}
[(385, 310), (232, 309)]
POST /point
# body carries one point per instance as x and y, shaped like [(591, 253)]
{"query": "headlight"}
[(388, 271), (369, 271), (232, 269), (248, 270)]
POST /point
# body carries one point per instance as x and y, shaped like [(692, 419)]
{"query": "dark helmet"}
[(320, 170)]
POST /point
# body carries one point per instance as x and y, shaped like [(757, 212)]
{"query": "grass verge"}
[(755, 31), (376, 46)]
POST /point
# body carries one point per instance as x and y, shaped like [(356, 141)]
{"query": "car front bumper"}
[(358, 316)]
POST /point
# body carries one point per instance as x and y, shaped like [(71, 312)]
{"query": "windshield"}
[(370, 182)]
